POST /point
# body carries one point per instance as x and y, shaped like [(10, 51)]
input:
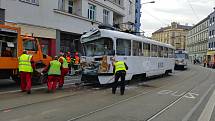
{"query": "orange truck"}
[(12, 44)]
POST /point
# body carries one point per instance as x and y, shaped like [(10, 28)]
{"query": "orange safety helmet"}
[(76, 53)]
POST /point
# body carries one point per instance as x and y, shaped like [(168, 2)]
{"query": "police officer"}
[(26, 66), (119, 70)]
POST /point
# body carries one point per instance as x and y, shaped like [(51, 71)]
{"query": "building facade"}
[(60, 23), (211, 30), (137, 15), (175, 34), (197, 40)]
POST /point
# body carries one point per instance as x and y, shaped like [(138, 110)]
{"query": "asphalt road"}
[(187, 95)]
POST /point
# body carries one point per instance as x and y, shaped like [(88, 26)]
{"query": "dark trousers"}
[(69, 65), (119, 74), (204, 64)]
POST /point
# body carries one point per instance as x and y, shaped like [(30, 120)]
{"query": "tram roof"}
[(123, 35)]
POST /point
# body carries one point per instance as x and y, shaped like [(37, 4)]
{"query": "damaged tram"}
[(144, 57)]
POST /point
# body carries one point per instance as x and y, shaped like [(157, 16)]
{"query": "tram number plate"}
[(160, 65)]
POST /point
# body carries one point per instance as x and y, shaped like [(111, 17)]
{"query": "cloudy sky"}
[(163, 12)]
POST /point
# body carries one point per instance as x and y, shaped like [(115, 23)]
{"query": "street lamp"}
[(148, 2)]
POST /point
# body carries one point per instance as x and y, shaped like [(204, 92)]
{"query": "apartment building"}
[(58, 24), (175, 34), (211, 27), (197, 40)]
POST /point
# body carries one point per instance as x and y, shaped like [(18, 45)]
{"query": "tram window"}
[(170, 53), (146, 49), (154, 51), (160, 51), (102, 46), (123, 47), (137, 48), (165, 52)]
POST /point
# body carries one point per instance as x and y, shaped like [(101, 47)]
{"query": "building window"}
[(105, 16), (117, 2), (61, 5), (92, 12), (33, 2), (130, 7), (70, 6)]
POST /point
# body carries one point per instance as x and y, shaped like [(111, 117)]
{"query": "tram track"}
[(136, 96), (105, 107)]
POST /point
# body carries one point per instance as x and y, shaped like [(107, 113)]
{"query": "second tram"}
[(181, 59)]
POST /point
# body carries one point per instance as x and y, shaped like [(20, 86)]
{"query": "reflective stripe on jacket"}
[(120, 66), (54, 68), (65, 64), (25, 63)]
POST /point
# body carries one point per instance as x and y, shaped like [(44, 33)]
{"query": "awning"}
[(211, 53)]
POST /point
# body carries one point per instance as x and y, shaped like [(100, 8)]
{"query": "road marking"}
[(189, 114), (163, 110), (189, 95), (38, 88), (208, 110), (48, 111)]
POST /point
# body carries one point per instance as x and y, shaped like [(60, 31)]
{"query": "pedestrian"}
[(205, 62), (64, 69), (119, 71), (54, 73), (68, 59), (26, 65)]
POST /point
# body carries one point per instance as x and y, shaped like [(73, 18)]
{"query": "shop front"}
[(211, 58)]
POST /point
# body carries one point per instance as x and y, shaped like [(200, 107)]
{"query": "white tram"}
[(144, 57), (181, 59)]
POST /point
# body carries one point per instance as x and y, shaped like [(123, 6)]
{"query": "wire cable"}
[(162, 22), (194, 12)]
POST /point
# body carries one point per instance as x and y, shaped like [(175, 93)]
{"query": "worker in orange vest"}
[(64, 69), (77, 59), (68, 59)]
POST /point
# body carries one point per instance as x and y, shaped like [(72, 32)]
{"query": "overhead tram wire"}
[(194, 12), (162, 22)]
